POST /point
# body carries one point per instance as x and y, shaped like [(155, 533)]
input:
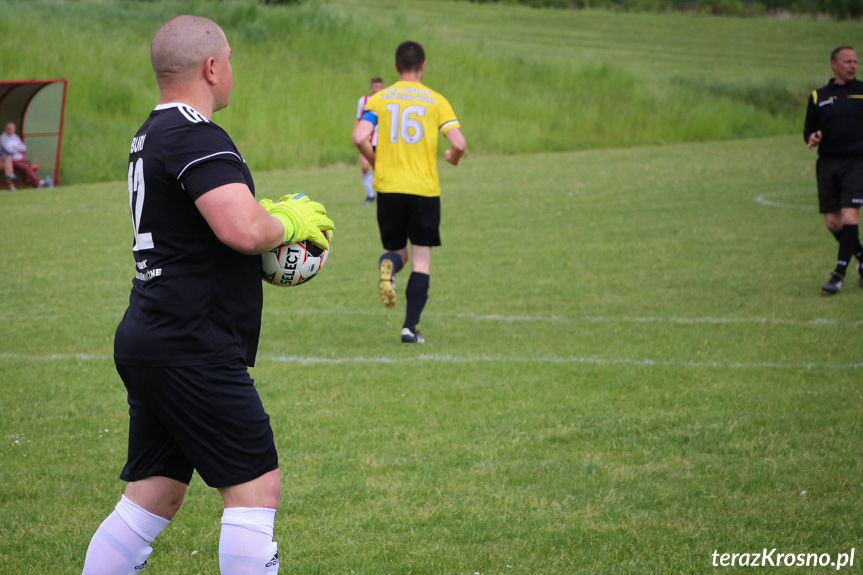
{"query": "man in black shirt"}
[(834, 124), (191, 330)]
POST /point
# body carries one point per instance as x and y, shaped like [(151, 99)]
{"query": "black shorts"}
[(840, 183), (204, 418), (403, 217)]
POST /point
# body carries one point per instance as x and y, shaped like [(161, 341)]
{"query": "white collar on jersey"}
[(185, 109)]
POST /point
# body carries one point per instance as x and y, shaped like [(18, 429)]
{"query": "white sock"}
[(121, 544), (246, 545), (367, 184)]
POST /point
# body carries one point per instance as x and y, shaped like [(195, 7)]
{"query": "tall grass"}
[(521, 80)]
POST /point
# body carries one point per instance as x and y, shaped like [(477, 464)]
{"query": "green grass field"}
[(629, 367)]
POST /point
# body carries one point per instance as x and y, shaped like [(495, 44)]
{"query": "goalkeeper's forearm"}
[(264, 233), (239, 221)]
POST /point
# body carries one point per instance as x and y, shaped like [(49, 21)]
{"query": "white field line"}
[(486, 359), (674, 320), (815, 322), (774, 204)]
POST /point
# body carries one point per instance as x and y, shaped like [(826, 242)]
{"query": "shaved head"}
[(182, 44)]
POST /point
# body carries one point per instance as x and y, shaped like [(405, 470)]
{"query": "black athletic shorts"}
[(403, 217), (840, 183), (205, 418)]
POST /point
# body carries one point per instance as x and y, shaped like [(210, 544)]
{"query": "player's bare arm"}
[(239, 221), (458, 146), (360, 138)]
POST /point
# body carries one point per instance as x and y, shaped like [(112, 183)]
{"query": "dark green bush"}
[(842, 9)]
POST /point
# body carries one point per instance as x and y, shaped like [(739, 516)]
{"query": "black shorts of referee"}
[(840, 183)]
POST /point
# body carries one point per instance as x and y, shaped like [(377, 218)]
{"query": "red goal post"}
[(37, 108)]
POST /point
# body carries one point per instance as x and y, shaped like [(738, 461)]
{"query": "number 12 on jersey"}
[(143, 241)]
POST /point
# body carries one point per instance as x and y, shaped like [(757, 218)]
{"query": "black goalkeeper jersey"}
[(194, 300)]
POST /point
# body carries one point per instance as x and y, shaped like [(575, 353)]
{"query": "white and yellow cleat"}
[(387, 286)]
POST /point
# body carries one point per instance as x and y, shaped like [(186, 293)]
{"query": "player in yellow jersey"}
[(409, 116)]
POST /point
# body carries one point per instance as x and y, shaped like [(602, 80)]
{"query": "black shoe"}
[(409, 336), (860, 269), (834, 284)]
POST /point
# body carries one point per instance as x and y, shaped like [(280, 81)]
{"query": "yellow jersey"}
[(409, 117)]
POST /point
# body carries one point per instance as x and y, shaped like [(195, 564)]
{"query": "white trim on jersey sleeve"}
[(205, 158), (448, 125)]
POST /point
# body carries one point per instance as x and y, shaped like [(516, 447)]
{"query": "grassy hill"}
[(521, 79)]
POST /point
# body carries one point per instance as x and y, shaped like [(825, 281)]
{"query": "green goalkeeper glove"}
[(302, 218), (316, 206)]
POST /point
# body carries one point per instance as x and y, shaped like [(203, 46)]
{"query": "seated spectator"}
[(11, 145)]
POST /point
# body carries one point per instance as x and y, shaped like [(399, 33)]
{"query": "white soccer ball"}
[(293, 264)]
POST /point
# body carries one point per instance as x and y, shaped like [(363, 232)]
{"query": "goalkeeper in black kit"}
[(190, 333), (834, 124)]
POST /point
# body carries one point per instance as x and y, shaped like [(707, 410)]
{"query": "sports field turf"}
[(630, 367)]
